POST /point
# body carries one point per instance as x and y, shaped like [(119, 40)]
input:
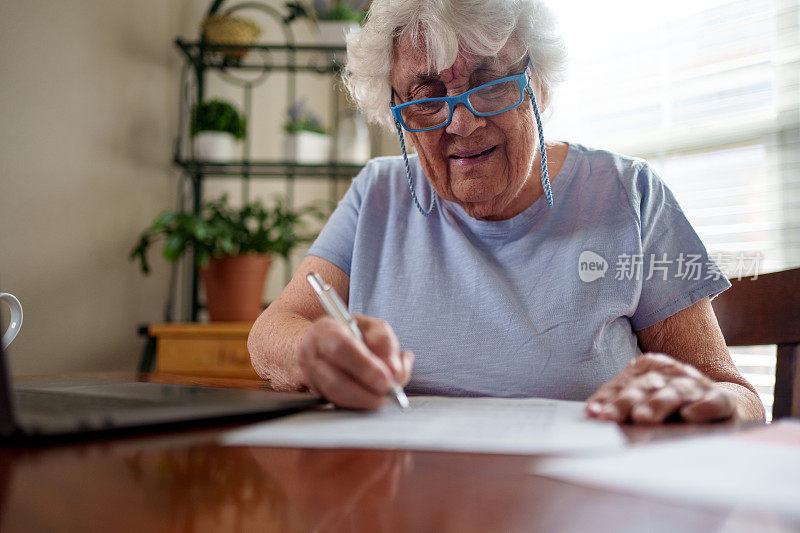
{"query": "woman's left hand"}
[(655, 386)]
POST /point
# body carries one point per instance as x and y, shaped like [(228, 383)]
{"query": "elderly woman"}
[(491, 262)]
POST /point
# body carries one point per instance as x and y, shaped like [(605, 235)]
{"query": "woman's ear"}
[(542, 95)]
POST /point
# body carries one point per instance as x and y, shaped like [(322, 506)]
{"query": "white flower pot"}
[(215, 146), (332, 32), (307, 147)]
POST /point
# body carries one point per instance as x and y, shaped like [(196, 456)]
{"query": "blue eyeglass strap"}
[(408, 175), (548, 193)]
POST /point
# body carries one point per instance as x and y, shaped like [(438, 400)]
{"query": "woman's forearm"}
[(273, 343)]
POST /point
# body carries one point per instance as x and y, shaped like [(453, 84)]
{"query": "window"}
[(709, 92)]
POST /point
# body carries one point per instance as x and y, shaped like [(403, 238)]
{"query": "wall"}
[(88, 115), (87, 97)]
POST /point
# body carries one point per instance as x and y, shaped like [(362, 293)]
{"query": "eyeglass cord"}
[(408, 175), (548, 193)]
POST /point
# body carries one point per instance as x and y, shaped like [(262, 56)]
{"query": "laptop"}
[(52, 411)]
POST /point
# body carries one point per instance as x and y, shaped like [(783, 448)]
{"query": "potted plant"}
[(232, 247), (333, 18), (216, 125), (306, 140)]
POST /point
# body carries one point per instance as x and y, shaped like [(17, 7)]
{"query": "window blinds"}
[(709, 92)]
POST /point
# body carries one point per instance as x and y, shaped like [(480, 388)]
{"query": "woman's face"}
[(488, 165)]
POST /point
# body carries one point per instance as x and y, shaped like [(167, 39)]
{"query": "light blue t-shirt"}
[(544, 304)]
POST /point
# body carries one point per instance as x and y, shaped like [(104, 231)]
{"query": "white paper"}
[(488, 425), (758, 470)]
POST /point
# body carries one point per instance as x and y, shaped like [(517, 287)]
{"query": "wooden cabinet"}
[(216, 350)]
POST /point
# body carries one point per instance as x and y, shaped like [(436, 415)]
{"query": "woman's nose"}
[(464, 121)]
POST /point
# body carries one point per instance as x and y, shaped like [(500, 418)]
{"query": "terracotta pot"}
[(234, 286)]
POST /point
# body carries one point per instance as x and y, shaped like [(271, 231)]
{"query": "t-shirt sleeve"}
[(676, 270), (335, 241)]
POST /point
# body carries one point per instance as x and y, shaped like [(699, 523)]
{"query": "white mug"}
[(16, 318)]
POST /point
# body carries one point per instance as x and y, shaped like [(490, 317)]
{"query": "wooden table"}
[(185, 481)]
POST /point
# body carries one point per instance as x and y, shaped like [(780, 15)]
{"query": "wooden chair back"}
[(765, 309)]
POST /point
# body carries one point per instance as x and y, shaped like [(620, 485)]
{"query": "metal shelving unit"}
[(248, 72), (269, 169)]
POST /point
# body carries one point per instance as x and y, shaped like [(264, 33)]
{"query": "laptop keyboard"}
[(61, 402)]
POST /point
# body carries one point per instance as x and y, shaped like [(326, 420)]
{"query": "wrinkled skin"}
[(654, 387), (348, 372)]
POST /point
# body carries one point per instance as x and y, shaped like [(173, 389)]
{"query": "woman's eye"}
[(429, 107), (429, 91)]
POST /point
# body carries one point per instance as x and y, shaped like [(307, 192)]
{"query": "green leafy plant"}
[(301, 119), (218, 115), (220, 229), (333, 10)]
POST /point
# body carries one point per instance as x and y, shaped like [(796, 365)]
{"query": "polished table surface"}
[(185, 481)]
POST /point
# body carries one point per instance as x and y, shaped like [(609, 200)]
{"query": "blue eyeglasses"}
[(489, 99), (485, 100)]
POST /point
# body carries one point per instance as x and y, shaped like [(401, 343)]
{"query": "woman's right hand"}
[(347, 372)]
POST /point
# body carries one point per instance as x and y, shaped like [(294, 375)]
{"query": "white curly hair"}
[(444, 26)]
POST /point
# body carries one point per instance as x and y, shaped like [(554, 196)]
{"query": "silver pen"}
[(336, 308)]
